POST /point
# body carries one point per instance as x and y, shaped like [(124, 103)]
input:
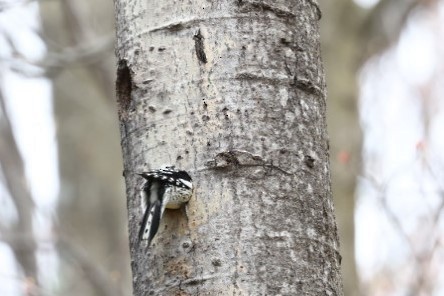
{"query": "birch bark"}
[(234, 93)]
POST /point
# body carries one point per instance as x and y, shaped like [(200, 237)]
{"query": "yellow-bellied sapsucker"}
[(163, 188)]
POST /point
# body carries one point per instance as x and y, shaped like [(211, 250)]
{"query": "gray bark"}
[(233, 92)]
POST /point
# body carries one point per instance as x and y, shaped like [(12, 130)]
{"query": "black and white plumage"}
[(164, 188)]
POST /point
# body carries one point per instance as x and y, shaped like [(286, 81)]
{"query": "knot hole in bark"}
[(199, 46), (124, 85)]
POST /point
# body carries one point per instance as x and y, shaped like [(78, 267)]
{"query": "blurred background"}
[(63, 224)]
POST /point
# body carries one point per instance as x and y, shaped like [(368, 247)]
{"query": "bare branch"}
[(15, 181), (97, 276)]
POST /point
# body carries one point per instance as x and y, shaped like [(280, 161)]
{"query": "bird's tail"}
[(151, 222)]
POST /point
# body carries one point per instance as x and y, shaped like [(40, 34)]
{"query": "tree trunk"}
[(234, 93)]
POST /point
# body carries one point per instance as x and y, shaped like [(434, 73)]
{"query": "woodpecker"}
[(167, 188)]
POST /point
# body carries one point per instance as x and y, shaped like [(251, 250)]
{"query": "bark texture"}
[(233, 92)]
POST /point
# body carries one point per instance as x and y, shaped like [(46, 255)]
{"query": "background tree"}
[(92, 199), (351, 35), (234, 93)]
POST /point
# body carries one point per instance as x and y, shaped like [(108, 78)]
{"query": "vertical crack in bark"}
[(199, 46), (237, 233), (124, 85)]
